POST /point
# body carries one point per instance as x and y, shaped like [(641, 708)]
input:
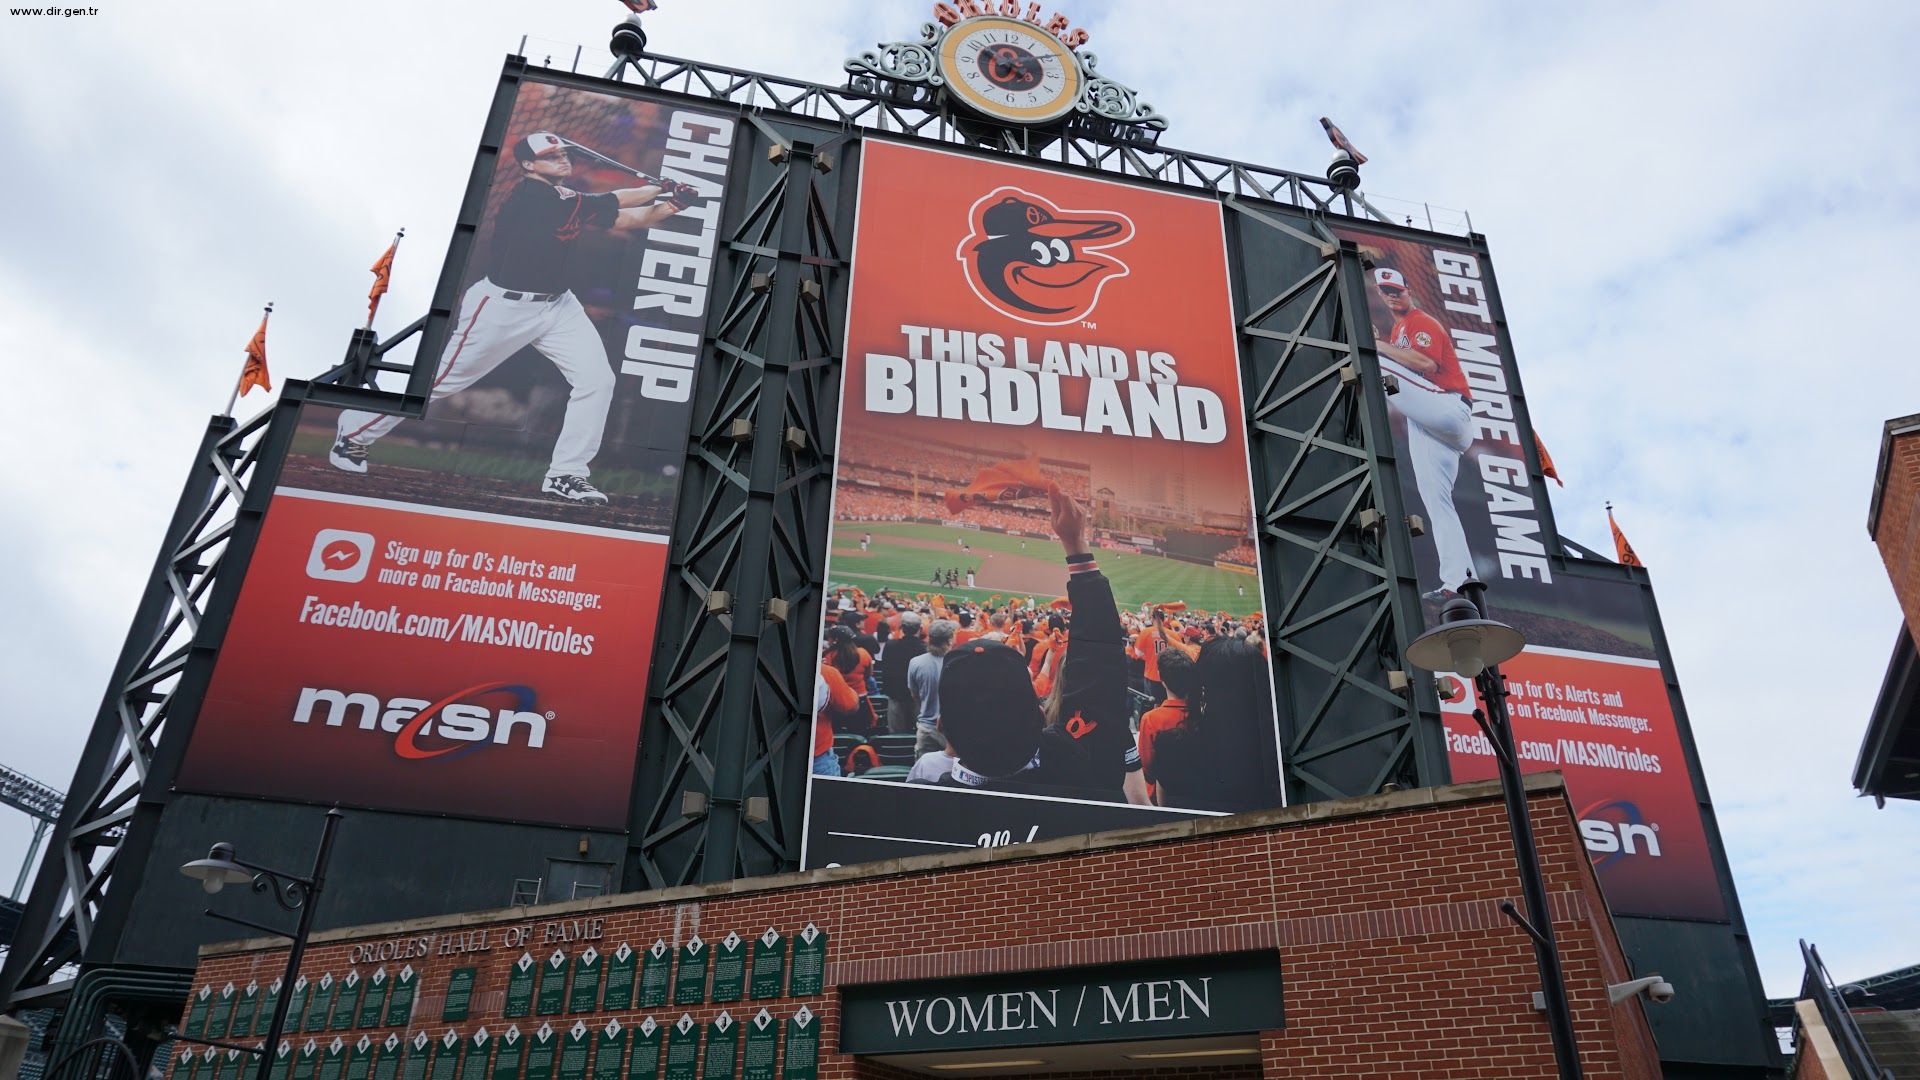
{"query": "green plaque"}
[(320, 1003), (419, 1056), (576, 1047), (809, 962), (400, 997), (446, 1057), (196, 1025), (542, 1048), (553, 985), (183, 1065), (621, 967), (230, 1066), (478, 1061), (360, 1061), (246, 1010), (221, 1014), (388, 1065), (769, 973), (520, 987), (585, 995), (506, 1059), (346, 1002), (644, 1063), (763, 1048), (655, 967), (723, 1047), (729, 968), (803, 1042), (263, 1018), (333, 1062), (209, 1065), (306, 1060), (689, 983), (282, 1061), (373, 998), (612, 1047), (459, 994), (683, 1047)]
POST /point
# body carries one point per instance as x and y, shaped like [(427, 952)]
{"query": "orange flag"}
[(255, 372), (1546, 461), (1005, 482), (382, 277), (1172, 605), (1623, 551)]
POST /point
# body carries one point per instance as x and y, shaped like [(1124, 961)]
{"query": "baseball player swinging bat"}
[(524, 300)]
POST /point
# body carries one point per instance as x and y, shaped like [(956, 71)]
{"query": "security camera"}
[(1658, 990), (629, 40), (1344, 172)]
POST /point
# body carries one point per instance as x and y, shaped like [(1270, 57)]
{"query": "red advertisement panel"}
[(1605, 722), (434, 662), (1041, 490), (453, 613)]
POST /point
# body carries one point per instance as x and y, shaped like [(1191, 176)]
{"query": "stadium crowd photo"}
[(1004, 623)]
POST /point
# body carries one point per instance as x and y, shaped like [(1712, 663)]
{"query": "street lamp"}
[(1468, 643), (222, 867)]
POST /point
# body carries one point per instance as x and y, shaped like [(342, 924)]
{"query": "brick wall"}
[(1897, 526), (1396, 959)]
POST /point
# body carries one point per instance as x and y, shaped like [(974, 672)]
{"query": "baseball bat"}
[(621, 165)]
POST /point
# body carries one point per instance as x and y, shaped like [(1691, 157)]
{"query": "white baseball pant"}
[(1439, 430), (491, 328)]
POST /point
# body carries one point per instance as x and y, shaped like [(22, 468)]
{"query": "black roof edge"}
[(1896, 427), (1897, 708)]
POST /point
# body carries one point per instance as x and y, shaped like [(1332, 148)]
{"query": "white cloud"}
[(1703, 217)]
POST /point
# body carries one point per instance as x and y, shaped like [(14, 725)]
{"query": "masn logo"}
[(490, 713), (1615, 829)]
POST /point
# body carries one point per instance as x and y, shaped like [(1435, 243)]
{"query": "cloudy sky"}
[(1705, 219)]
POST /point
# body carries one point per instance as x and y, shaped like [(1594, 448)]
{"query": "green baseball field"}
[(903, 557)]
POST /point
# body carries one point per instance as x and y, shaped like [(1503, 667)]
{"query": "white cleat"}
[(573, 489)]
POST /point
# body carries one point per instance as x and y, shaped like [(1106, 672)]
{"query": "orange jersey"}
[(964, 635), (1423, 333), (1169, 713), (1146, 646)]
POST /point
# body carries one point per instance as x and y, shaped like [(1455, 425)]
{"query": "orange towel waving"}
[(1005, 482)]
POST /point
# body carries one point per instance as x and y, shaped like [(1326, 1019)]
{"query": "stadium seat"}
[(895, 749)]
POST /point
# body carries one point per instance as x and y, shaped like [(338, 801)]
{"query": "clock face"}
[(1010, 70)]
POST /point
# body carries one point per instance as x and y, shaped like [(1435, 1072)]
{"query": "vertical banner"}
[(455, 613), (1588, 696), (1041, 491)]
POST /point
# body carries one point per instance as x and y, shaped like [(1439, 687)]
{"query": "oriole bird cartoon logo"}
[(1029, 259)]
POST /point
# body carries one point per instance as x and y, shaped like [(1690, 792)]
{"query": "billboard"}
[(1589, 697), (1045, 605), (455, 613)]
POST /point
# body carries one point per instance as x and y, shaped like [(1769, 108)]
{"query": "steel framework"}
[(1341, 590), (734, 694)]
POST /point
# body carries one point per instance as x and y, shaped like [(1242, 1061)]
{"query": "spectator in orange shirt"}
[(831, 696), (1181, 681)]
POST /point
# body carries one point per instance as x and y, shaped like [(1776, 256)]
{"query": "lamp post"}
[(222, 867), (1468, 643)]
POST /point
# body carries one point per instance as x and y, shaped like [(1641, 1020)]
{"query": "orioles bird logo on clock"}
[(1010, 70)]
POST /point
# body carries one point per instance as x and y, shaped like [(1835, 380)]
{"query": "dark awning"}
[(1889, 762)]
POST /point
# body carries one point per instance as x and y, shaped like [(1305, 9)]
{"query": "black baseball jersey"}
[(533, 236)]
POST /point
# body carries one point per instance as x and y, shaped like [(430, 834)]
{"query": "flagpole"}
[(234, 398), (392, 249)]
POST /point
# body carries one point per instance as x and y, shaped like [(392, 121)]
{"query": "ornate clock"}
[(1009, 70)]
